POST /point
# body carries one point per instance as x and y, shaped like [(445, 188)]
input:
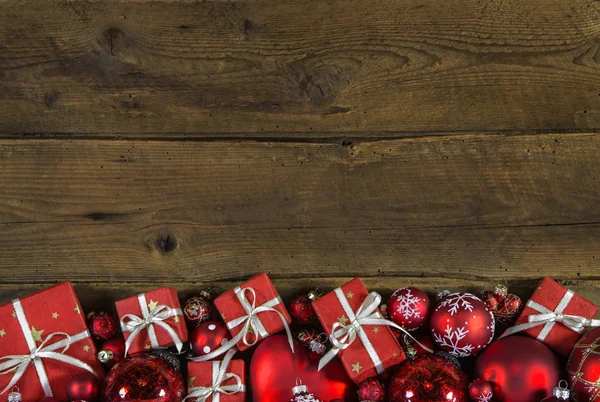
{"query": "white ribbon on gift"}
[(251, 324), (344, 335), (549, 318), (219, 376), (134, 324), (18, 364)]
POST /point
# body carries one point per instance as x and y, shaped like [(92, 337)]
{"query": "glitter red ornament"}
[(428, 378), (102, 326), (112, 352), (301, 308), (143, 378), (505, 307), (208, 336), (409, 308), (371, 390), (481, 391), (83, 387), (461, 324), (583, 368), (313, 341), (197, 309)]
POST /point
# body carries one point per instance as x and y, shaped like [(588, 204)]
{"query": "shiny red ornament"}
[(102, 326), (583, 368), (481, 391), (275, 368), (208, 336), (428, 378), (505, 307), (197, 309), (462, 325), (521, 369), (301, 308), (384, 310), (371, 390), (83, 387), (409, 308), (313, 341), (112, 352), (143, 378)]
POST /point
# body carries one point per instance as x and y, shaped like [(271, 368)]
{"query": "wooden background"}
[(445, 144)]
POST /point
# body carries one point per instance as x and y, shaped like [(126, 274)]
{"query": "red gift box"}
[(203, 375), (549, 299), (237, 303), (356, 359), (46, 321), (162, 302)]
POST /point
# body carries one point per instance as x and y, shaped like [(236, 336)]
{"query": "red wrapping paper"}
[(355, 358), (549, 294), (230, 308), (200, 375), (162, 296), (55, 309)]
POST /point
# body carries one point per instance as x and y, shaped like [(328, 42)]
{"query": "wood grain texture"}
[(300, 68), (469, 207)]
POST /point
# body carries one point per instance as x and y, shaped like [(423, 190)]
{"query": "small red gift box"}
[(204, 375), (46, 321), (168, 325), (360, 364), (551, 299), (239, 302)]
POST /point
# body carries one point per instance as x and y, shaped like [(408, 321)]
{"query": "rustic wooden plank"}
[(466, 207), (297, 68)]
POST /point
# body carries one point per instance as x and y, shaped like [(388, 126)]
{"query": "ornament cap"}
[(313, 295), (501, 290), (104, 356), (442, 294), (300, 389), (561, 391)]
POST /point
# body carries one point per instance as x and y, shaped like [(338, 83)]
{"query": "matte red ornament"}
[(583, 368), (428, 378), (521, 369), (505, 307), (83, 387), (313, 341), (275, 368), (208, 336), (481, 391), (301, 308), (143, 378), (371, 390), (197, 309), (112, 352), (462, 325), (102, 326), (409, 308)]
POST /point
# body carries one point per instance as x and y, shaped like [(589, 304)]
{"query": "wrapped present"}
[(44, 341), (358, 331), (152, 320), (556, 316), (217, 381), (252, 312)]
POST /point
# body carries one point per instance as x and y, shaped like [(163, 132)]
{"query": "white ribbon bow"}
[(251, 323), (134, 324), (219, 376), (344, 335)]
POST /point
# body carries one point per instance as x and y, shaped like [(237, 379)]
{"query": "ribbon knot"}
[(219, 376)]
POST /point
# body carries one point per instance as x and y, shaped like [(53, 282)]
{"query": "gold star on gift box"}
[(37, 335), (191, 382), (356, 367), (349, 295), (343, 320), (376, 330), (86, 348), (55, 315), (2, 333), (152, 305)]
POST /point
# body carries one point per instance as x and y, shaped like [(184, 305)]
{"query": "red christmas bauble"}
[(505, 307), (197, 310), (208, 336), (102, 326), (521, 369), (301, 308), (302, 394), (371, 390), (428, 378), (409, 308), (84, 386), (462, 325), (583, 368), (143, 378), (481, 391), (112, 352), (313, 341)]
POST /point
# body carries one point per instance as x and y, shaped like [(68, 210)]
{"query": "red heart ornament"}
[(274, 370)]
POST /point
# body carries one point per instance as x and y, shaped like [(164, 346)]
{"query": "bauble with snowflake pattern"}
[(461, 324), (409, 308), (583, 368), (481, 391)]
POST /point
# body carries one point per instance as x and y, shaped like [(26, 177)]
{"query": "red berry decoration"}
[(462, 325), (428, 378), (197, 309), (208, 336), (301, 308), (521, 369), (371, 390), (583, 368), (313, 341), (481, 391), (505, 307), (409, 308), (112, 352), (560, 393), (102, 326), (83, 387)]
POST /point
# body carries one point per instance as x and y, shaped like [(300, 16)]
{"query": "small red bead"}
[(102, 326)]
